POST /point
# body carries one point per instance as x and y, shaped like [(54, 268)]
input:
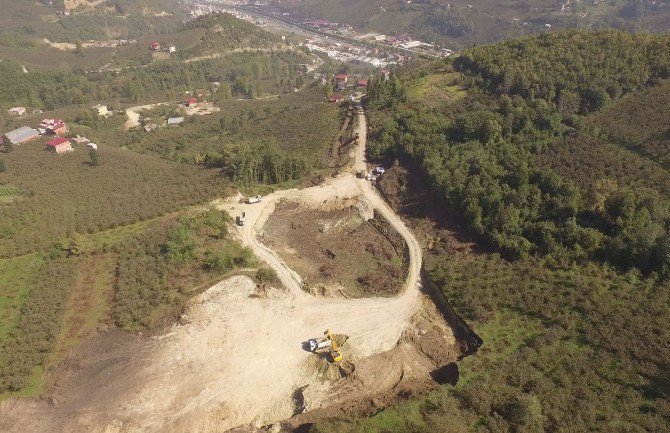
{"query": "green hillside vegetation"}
[(64, 194), (155, 271), (297, 128), (574, 307), (118, 19), (246, 75), (566, 348), (642, 128), (460, 23), (223, 32), (478, 151)]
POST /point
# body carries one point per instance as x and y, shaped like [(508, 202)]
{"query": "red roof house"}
[(155, 46), (60, 145), (58, 127), (362, 83), (341, 77), (335, 98), (191, 102)]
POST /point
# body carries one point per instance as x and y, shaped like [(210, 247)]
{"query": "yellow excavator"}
[(335, 353), (324, 345)]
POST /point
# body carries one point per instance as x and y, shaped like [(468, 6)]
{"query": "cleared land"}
[(337, 251), (235, 358)]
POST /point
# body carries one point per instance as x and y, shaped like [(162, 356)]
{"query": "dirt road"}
[(236, 358), (133, 114)]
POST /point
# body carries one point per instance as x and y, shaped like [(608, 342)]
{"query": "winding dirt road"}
[(236, 358)]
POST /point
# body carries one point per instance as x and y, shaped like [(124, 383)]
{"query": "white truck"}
[(255, 199), (240, 219), (317, 345)]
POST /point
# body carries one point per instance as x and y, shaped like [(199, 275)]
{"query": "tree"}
[(328, 89), (79, 50), (95, 157), (76, 245), (3, 168), (8, 146)]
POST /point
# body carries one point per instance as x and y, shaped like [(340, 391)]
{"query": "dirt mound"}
[(336, 251)]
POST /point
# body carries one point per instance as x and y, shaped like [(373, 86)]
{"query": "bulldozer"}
[(325, 345)]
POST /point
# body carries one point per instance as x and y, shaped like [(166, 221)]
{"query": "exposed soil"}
[(436, 226), (335, 251), (236, 360)]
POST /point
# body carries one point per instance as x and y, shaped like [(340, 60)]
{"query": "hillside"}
[(461, 23), (550, 230)]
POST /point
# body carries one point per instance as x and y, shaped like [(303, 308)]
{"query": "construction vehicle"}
[(240, 219), (325, 345)]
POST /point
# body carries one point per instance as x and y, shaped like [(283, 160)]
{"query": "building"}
[(58, 128), (155, 46), (335, 98), (341, 81), (80, 140), (362, 83), (170, 49), (101, 110), (21, 135), (17, 111), (175, 120), (54, 126), (60, 145), (191, 102)]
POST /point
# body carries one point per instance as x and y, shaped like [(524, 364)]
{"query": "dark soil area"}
[(337, 251)]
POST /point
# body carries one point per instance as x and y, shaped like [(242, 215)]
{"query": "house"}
[(60, 145), (175, 120), (386, 74), (341, 81), (362, 83), (21, 135), (57, 128), (101, 110), (170, 49), (54, 126), (335, 98), (191, 102), (17, 111), (155, 46)]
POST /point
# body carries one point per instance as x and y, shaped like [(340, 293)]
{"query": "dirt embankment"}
[(337, 251)]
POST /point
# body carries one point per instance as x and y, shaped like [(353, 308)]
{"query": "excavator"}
[(324, 345)]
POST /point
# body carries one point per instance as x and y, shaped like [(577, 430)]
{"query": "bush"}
[(267, 275)]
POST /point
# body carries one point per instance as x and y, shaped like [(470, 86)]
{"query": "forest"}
[(559, 261), (481, 152)]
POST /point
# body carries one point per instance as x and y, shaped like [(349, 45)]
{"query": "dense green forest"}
[(245, 75), (479, 151), (548, 166)]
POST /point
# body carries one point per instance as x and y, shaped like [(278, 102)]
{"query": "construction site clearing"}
[(238, 360), (338, 251)]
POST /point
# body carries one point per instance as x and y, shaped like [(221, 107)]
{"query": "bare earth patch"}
[(336, 251)]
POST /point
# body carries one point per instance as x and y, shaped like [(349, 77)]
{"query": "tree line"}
[(478, 152)]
